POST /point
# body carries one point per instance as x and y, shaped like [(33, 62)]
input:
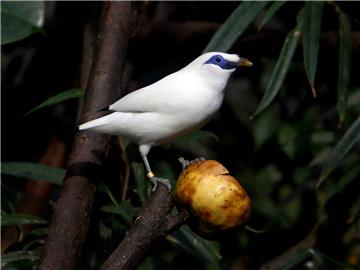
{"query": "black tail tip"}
[(104, 109)]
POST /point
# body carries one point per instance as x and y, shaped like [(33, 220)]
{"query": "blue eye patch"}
[(221, 62)]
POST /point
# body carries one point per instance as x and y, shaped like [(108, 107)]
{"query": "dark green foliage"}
[(19, 259), (33, 171), (235, 25), (68, 94), (281, 68), (311, 38), (344, 65), (350, 138), (19, 219), (270, 12), (20, 19)]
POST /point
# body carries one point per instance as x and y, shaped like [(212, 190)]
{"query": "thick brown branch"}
[(152, 223), (70, 221)]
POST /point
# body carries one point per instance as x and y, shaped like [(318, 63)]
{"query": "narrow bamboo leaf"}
[(20, 19), (348, 140), (39, 232), (297, 258), (338, 186), (234, 26), (125, 210), (339, 264), (15, 256), (198, 135), (33, 171), (311, 28), (19, 219), (72, 93), (344, 65), (104, 188), (32, 243), (270, 12), (202, 247), (281, 68)]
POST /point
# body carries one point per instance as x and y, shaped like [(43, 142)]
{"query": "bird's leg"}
[(155, 180), (186, 163)]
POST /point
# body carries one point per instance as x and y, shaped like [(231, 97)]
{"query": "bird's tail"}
[(94, 124)]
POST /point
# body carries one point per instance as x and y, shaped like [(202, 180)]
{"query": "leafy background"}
[(289, 129)]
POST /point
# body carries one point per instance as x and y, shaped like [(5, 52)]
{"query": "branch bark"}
[(154, 221), (71, 216)]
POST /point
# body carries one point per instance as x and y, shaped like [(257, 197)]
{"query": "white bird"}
[(176, 105)]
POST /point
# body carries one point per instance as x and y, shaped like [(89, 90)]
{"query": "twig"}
[(281, 261), (70, 221)]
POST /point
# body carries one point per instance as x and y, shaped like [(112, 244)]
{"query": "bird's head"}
[(224, 61), (216, 67)]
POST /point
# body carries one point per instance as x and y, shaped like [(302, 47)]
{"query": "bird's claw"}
[(186, 163), (156, 180)]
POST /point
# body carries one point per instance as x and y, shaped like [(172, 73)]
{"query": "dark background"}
[(270, 155)]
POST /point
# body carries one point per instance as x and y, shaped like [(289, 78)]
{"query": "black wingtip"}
[(104, 109)]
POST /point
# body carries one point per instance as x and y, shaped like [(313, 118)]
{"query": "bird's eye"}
[(217, 59)]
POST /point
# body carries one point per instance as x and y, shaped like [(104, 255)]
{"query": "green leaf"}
[(68, 94), (19, 256), (338, 186), (265, 126), (165, 170), (104, 188), (339, 264), (344, 65), (297, 258), (347, 141), (286, 135), (19, 219), (20, 19), (203, 248), (198, 135), (39, 232), (147, 264), (311, 28), (139, 175), (270, 12), (234, 26), (34, 171), (281, 68), (124, 209), (197, 143)]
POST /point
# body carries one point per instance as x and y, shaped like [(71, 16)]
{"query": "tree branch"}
[(153, 222), (71, 216)]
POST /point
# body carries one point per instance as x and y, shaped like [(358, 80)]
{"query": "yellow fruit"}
[(214, 197)]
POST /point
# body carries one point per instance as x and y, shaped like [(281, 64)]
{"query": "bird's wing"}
[(151, 98), (135, 101)]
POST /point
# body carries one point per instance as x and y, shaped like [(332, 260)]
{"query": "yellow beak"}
[(243, 62)]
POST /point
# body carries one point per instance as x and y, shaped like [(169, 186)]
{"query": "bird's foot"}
[(156, 180), (186, 163)]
